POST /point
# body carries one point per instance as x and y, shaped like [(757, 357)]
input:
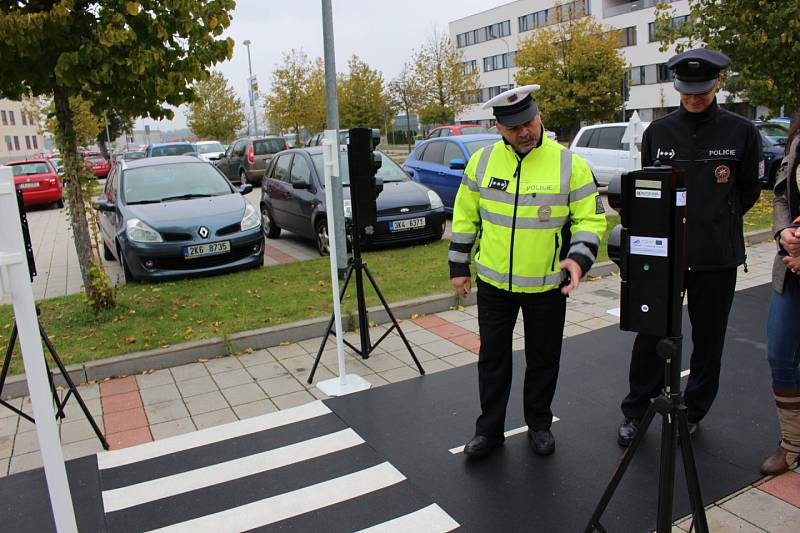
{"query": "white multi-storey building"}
[(19, 132), (489, 42)]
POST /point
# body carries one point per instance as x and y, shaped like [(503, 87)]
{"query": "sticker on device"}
[(655, 246), (648, 193)]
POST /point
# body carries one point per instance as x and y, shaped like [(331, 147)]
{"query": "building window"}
[(27, 140), (24, 118), (627, 36), (649, 74), (473, 97), (545, 17), (500, 61), (16, 142), (491, 92), (9, 146), (665, 74), (487, 33), (11, 119), (470, 66), (35, 142), (4, 118), (675, 23)]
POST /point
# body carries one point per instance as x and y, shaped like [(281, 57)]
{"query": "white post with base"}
[(633, 134), (15, 278), (345, 383)]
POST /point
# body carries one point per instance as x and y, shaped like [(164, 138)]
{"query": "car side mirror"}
[(101, 204), (215, 157), (457, 164), (298, 184), (246, 188), (378, 186)]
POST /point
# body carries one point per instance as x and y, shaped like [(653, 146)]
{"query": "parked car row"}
[(39, 182)]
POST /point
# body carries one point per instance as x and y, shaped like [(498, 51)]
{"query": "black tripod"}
[(72, 389), (674, 429)]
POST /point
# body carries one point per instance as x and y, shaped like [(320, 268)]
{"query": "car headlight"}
[(348, 208), (251, 218), (434, 199), (138, 231)]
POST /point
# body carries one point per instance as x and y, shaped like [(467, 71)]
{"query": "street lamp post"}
[(508, 62), (250, 87)]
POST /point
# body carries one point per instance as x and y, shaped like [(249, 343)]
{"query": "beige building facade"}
[(20, 137)]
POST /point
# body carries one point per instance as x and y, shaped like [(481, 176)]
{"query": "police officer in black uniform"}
[(721, 154)]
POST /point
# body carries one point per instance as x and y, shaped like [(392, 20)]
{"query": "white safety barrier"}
[(15, 278)]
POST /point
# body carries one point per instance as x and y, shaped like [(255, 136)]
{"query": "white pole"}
[(15, 278), (346, 383)]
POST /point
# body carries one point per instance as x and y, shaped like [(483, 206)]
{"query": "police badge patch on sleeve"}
[(497, 183), (598, 202)]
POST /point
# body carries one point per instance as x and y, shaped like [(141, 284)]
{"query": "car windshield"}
[(389, 171), (268, 146), (173, 181), (176, 149), (775, 133), (472, 129), (127, 156), (27, 169), (474, 146), (208, 148)]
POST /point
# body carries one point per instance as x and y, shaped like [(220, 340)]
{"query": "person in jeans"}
[(783, 333)]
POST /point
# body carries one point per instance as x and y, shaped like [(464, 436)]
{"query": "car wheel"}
[(127, 275), (271, 230), (242, 177), (60, 203), (323, 242), (107, 255)]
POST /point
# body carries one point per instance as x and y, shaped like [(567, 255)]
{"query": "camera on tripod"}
[(649, 248), (364, 162)]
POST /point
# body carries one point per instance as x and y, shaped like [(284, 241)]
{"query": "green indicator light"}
[(646, 267)]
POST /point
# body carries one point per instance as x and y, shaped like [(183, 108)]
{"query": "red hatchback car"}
[(456, 129), (98, 165), (38, 181)]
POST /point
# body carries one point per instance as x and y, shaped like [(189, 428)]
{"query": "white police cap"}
[(514, 106)]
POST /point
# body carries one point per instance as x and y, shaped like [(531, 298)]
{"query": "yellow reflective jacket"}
[(530, 213)]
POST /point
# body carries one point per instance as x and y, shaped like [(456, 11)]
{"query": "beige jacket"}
[(782, 210)]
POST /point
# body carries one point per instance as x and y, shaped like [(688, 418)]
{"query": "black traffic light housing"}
[(364, 163), (649, 248)]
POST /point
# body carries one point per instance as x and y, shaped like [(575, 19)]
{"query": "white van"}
[(602, 148)]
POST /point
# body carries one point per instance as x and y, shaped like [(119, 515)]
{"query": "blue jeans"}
[(784, 336)]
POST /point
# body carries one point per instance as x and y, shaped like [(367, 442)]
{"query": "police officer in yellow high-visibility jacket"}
[(534, 210)]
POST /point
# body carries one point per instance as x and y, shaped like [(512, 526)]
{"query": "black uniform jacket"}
[(720, 152)]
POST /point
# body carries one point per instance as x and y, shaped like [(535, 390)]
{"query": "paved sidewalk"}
[(159, 404)]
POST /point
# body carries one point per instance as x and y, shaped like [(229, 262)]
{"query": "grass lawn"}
[(162, 314)]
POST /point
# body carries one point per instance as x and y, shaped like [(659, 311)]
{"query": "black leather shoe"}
[(542, 441), (480, 446), (627, 432)]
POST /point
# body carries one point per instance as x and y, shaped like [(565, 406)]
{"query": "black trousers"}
[(710, 296), (543, 316)]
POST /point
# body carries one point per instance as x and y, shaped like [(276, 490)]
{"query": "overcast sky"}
[(381, 33)]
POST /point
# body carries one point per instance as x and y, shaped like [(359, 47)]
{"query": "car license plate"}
[(408, 224), (212, 248), (29, 185)]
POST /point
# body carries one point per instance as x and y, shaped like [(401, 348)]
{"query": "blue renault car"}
[(176, 216), (773, 145), (439, 163)]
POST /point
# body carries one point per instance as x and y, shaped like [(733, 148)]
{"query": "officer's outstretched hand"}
[(790, 241), (575, 275), (462, 285)]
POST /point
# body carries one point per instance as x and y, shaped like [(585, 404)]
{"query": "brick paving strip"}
[(123, 413)]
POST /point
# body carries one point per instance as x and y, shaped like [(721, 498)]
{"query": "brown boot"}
[(777, 463)]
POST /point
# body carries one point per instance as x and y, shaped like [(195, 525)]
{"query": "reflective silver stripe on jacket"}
[(582, 192), (463, 238), (520, 281), (585, 236), (582, 249), (566, 169), (527, 200), (522, 223), (458, 257), (483, 162), (469, 184)]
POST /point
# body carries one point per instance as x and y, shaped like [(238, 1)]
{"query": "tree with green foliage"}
[(286, 106), (762, 38), (217, 113), (404, 95), (316, 96), (360, 94), (444, 83), (580, 70), (136, 57)]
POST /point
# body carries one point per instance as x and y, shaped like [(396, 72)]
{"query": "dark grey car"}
[(246, 160), (174, 216)]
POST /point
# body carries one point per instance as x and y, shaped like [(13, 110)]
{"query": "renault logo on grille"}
[(203, 232), (404, 210)]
